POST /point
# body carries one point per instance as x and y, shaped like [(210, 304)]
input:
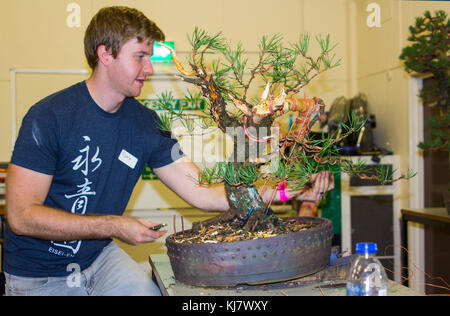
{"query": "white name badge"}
[(128, 159)]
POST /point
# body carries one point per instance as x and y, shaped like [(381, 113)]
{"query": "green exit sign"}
[(177, 104), (161, 53)]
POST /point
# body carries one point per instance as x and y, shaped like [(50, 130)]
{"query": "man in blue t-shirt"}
[(75, 163)]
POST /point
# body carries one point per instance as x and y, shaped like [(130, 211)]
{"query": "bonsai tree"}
[(429, 53), (225, 78)]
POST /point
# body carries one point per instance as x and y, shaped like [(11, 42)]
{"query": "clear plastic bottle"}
[(367, 276)]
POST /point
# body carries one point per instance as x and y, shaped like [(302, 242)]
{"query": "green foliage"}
[(410, 174), (242, 174), (429, 47), (429, 53), (384, 173), (166, 119), (201, 39), (276, 63)]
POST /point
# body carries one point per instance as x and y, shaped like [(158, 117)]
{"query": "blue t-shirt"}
[(95, 158)]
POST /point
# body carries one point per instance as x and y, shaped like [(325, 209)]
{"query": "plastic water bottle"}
[(367, 276)]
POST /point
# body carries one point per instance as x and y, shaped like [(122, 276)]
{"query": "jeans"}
[(113, 273)]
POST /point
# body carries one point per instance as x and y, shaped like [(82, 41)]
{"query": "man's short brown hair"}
[(113, 27)]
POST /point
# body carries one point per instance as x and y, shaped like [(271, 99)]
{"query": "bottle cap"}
[(366, 247)]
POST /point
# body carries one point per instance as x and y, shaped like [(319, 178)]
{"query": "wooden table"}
[(163, 275), (436, 217)]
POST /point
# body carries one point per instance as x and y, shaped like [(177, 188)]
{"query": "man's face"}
[(130, 68)]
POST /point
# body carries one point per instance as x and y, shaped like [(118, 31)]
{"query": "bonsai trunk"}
[(247, 208)]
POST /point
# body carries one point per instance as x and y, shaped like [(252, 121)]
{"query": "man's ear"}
[(104, 55)]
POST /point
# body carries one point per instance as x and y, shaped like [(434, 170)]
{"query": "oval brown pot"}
[(267, 260)]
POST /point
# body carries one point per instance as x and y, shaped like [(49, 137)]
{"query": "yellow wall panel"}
[(35, 35), (329, 17), (328, 90), (248, 21), (377, 47), (5, 122)]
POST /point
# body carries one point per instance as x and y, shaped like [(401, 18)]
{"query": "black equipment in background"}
[(361, 142)]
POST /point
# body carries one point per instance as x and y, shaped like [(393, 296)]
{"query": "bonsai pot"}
[(267, 260)]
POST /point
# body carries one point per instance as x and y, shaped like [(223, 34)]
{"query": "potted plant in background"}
[(428, 54)]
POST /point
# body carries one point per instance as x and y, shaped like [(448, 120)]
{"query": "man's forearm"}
[(48, 223), (211, 199)]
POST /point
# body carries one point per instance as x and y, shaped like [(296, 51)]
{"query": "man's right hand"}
[(135, 230)]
